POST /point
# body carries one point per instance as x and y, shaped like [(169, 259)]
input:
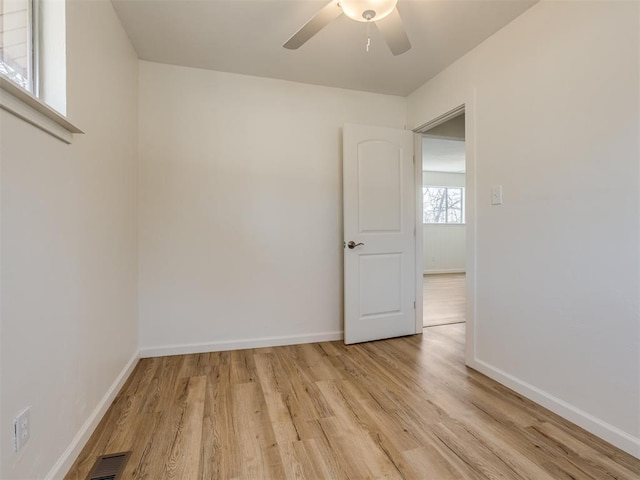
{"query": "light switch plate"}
[(21, 429), (496, 195)]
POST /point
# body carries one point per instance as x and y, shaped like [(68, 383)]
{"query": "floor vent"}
[(109, 467)]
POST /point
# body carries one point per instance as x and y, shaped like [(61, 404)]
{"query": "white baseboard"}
[(69, 456), (444, 270), (604, 430), (223, 345)]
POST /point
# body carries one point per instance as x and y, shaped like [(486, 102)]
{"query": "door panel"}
[(381, 278), (380, 187), (379, 215)]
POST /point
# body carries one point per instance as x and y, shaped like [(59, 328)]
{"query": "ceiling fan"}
[(381, 12)]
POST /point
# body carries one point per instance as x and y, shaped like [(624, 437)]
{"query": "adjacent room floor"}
[(444, 299), (401, 408)]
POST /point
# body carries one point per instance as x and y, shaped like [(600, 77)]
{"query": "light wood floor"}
[(444, 299), (402, 408)]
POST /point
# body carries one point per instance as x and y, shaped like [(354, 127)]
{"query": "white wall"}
[(444, 245), (552, 102), (69, 243), (241, 207)]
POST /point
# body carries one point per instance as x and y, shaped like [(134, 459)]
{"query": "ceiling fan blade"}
[(329, 12), (393, 32)]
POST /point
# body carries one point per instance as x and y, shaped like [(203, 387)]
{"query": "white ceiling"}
[(443, 155), (246, 36)]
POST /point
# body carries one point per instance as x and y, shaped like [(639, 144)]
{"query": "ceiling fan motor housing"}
[(367, 10)]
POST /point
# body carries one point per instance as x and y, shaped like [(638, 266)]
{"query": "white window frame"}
[(34, 46)]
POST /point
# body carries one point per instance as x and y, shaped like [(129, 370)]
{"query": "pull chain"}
[(368, 36)]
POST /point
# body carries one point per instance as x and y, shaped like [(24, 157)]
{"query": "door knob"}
[(353, 244)]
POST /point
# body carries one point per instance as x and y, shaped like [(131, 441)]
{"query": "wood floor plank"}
[(254, 437), (481, 455), (583, 453), (315, 465), (146, 453), (183, 462), (406, 408), (219, 459), (444, 298), (431, 464)]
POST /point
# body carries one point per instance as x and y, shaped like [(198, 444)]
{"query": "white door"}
[(379, 221)]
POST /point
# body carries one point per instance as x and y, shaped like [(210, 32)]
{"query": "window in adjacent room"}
[(443, 204)]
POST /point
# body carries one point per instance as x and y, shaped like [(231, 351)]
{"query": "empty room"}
[(215, 220)]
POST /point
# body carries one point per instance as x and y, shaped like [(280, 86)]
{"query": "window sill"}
[(32, 110)]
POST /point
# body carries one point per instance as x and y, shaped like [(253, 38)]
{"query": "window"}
[(16, 42), (443, 204), (33, 64)]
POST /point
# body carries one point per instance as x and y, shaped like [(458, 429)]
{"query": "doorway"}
[(444, 222)]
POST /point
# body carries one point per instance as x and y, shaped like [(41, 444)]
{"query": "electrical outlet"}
[(22, 429)]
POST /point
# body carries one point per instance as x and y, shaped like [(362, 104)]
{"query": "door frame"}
[(470, 219)]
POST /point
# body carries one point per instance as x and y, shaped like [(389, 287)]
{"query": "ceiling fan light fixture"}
[(367, 10)]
